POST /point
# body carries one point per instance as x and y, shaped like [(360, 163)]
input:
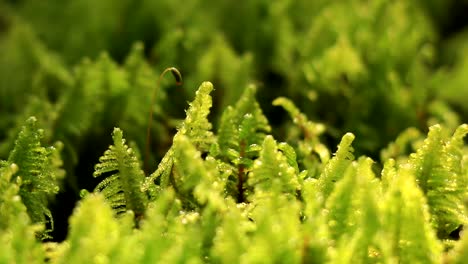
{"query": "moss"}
[(341, 172)]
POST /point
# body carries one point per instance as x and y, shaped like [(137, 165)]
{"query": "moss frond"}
[(409, 235), (336, 167), (36, 173), (196, 127), (271, 171), (123, 188), (438, 169)]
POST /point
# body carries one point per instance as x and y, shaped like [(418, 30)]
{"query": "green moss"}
[(234, 178)]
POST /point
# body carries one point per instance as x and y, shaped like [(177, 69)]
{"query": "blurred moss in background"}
[(374, 68)]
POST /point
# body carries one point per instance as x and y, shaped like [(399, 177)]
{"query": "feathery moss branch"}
[(123, 188), (36, 174)]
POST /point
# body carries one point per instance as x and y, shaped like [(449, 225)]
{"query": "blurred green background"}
[(374, 68)]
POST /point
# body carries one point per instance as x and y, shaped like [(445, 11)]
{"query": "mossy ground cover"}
[(293, 132)]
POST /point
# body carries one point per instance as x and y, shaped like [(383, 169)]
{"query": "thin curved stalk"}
[(178, 78)]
